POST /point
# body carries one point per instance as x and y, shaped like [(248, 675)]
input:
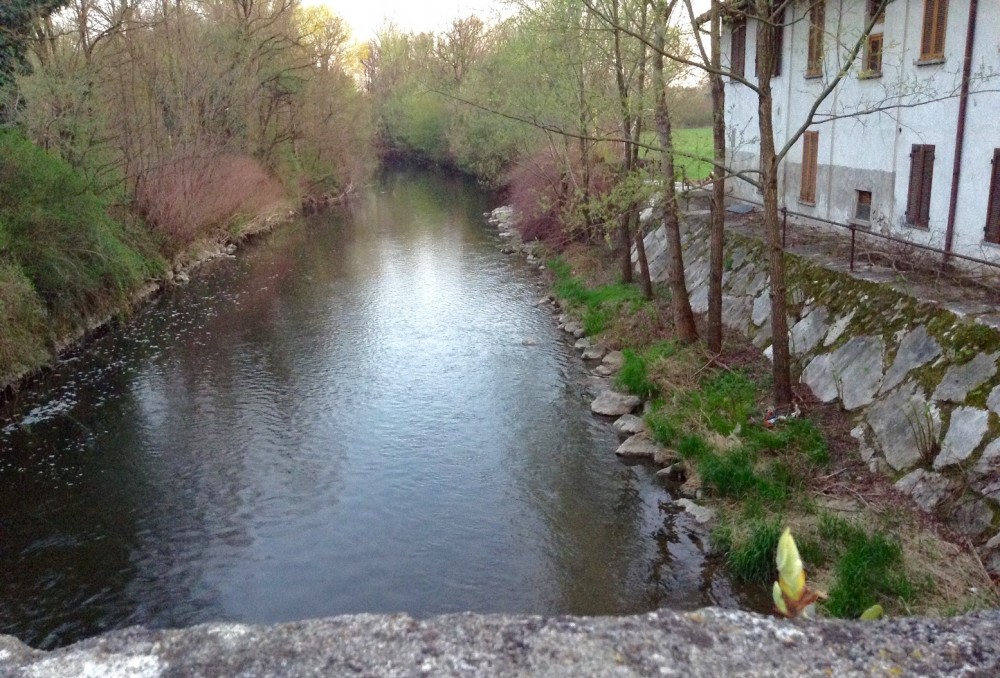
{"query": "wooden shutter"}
[(918, 199), (810, 166), (817, 26), (935, 26), (993, 206), (738, 48)]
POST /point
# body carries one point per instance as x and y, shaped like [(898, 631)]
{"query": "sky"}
[(366, 16)]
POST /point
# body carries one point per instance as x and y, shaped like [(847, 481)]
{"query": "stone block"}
[(959, 380), (915, 349), (906, 426), (965, 432)]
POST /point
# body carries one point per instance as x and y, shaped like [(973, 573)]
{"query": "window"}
[(993, 206), (932, 36), (779, 41), (817, 23), (873, 56), (810, 156), (876, 9), (738, 55), (918, 200), (863, 207), (778, 33)]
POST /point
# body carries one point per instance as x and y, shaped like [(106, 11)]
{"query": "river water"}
[(340, 419)]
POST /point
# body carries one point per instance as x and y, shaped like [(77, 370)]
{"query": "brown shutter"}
[(738, 45), (927, 35), (817, 26), (810, 157), (779, 41), (927, 176), (993, 206), (918, 199), (941, 21), (934, 29)]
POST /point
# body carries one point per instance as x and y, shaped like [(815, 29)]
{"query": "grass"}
[(763, 479), (869, 569), (597, 306), (690, 145)]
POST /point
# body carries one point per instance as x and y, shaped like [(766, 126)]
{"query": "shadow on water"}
[(342, 419)]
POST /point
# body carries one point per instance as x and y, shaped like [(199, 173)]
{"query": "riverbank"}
[(745, 474), (71, 264)]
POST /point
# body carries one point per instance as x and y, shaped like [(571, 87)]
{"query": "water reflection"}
[(342, 419)]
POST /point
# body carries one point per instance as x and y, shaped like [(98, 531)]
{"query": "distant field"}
[(696, 141)]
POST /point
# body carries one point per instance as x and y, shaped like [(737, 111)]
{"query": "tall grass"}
[(78, 260), (62, 258)]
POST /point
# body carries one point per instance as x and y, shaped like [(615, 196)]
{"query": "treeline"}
[(573, 106), (133, 129)]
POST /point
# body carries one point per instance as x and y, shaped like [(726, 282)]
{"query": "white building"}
[(892, 167)]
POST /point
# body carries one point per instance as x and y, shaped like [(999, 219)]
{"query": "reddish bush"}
[(192, 196), (550, 200)]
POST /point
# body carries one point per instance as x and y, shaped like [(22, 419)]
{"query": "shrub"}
[(78, 260), (189, 197)]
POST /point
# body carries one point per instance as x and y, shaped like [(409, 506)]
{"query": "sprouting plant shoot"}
[(792, 598)]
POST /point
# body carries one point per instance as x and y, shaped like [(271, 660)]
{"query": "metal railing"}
[(854, 228)]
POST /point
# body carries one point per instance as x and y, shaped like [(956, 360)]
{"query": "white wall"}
[(871, 152)]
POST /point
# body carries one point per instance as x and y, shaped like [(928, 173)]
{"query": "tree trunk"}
[(684, 325), (717, 230), (624, 219), (640, 249), (769, 186)]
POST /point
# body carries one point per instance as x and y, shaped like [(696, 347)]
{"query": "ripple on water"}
[(343, 419)]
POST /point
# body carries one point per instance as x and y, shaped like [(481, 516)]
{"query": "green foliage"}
[(78, 260), (792, 434), (868, 569), (598, 305), (693, 152), (751, 559), (727, 400), (17, 23), (634, 375), (660, 426), (22, 317)]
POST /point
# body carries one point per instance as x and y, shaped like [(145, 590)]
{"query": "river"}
[(342, 418)]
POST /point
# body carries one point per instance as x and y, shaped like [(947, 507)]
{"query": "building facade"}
[(881, 150)]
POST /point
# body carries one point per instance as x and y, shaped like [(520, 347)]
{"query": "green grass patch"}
[(727, 400), (598, 306), (868, 569), (635, 376), (693, 148), (751, 559)]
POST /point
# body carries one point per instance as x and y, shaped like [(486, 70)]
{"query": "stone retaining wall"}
[(920, 382)]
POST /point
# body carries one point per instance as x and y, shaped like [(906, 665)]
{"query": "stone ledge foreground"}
[(710, 642)]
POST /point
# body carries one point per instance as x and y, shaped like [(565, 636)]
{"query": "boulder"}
[(614, 404), (629, 424), (614, 360), (700, 514), (638, 446)]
